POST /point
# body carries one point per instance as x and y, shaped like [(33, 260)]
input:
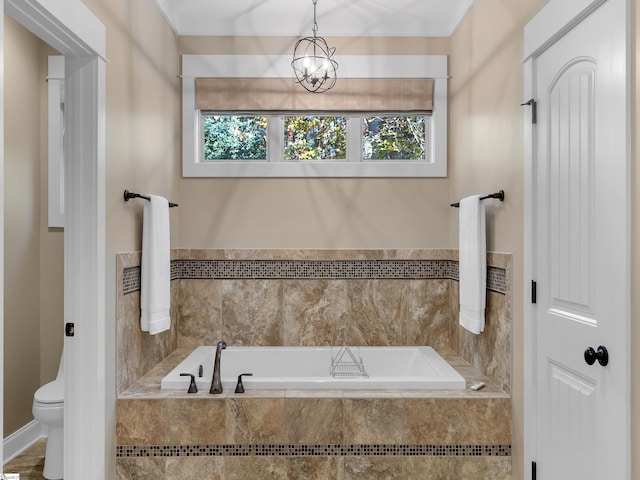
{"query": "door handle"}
[(591, 355)]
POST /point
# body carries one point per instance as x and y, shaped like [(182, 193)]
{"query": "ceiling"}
[(380, 18)]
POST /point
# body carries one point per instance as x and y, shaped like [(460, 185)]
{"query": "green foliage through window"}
[(315, 138), (394, 138), (231, 137)]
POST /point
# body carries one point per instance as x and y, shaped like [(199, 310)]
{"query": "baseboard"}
[(21, 439)]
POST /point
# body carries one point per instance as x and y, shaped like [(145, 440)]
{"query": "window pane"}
[(232, 137), (394, 138), (315, 138)]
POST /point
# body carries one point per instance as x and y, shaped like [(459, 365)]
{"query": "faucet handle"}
[(193, 388), (240, 385)]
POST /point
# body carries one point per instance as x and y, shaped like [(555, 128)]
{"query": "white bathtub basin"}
[(389, 368)]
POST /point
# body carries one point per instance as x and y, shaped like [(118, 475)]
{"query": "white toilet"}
[(48, 409)]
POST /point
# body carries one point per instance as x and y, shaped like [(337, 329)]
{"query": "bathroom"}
[(485, 154)]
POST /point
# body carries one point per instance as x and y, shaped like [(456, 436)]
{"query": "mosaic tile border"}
[(296, 450), (315, 270)]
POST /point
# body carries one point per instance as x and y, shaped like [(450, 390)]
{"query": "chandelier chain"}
[(314, 29)]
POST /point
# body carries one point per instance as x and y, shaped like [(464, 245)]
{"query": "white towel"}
[(155, 285), (473, 263)]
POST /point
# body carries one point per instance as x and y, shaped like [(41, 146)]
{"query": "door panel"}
[(582, 250), (572, 408), (570, 154)]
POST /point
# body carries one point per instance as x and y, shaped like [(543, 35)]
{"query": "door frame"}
[(556, 19), (75, 32)]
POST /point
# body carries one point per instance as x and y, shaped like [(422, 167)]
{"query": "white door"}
[(581, 251)]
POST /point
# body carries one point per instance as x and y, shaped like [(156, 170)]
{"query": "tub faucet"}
[(216, 384)]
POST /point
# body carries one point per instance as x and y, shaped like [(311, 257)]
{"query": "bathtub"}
[(308, 368)]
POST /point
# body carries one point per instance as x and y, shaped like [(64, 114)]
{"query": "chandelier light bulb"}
[(313, 62)]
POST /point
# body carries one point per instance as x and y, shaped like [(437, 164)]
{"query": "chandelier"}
[(313, 62)]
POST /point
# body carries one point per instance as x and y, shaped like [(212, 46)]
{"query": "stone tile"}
[(313, 420), (200, 313), (128, 340), (430, 320), (195, 468), (137, 351), (378, 312), (497, 351), (434, 421), (374, 420), (434, 468), (255, 468), (314, 468), (487, 421), (315, 311), (374, 468), (202, 254), (252, 312), (194, 421), (254, 420), (277, 312), (501, 260), (140, 468), (490, 351), (494, 468), (140, 422)]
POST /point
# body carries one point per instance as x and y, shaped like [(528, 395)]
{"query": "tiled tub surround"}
[(295, 435), (381, 297), (314, 297)]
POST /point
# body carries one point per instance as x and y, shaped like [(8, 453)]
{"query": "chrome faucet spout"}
[(216, 383)]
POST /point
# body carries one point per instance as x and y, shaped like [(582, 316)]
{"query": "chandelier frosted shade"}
[(313, 64)]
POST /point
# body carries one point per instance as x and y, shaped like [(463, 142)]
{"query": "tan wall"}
[(33, 314), (313, 213), (143, 115), (635, 251)]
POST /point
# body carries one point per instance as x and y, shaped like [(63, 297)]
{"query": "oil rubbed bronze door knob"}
[(591, 355)]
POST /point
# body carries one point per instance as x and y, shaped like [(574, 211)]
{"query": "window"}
[(315, 137), (397, 137), (234, 137), (240, 119)]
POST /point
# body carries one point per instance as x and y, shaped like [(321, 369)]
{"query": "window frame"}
[(276, 143), (278, 66)]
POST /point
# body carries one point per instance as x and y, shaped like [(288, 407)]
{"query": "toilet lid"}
[(52, 392)]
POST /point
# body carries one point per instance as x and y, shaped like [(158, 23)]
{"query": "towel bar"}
[(129, 195), (499, 195)]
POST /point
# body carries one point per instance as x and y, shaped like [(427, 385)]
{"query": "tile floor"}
[(30, 463)]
